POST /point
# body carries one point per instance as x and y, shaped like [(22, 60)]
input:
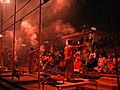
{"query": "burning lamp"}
[(0, 35), (5, 1)]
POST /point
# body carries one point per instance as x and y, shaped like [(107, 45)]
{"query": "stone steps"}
[(104, 83), (94, 88), (107, 85), (109, 79)]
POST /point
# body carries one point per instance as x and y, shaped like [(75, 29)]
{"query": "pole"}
[(114, 41), (39, 43), (1, 60), (14, 33)]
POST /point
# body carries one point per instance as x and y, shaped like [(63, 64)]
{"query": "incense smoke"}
[(29, 31), (58, 29)]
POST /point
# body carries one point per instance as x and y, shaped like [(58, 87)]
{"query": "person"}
[(101, 64), (92, 62), (69, 72), (69, 51), (31, 60), (77, 63), (84, 56), (9, 60)]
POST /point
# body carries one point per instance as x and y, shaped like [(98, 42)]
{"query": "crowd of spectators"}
[(91, 57)]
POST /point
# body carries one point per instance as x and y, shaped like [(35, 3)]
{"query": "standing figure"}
[(69, 72), (69, 51), (31, 60), (10, 60), (69, 59)]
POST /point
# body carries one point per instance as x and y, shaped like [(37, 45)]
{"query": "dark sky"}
[(97, 13)]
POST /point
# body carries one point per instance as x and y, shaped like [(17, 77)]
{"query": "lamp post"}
[(14, 33), (40, 36), (40, 30), (113, 26), (2, 2)]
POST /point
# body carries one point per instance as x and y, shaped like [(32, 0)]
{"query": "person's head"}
[(108, 56), (70, 42), (84, 50), (9, 51), (91, 56), (100, 55), (31, 48), (76, 55), (49, 54)]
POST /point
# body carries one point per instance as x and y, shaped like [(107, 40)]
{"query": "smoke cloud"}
[(59, 28), (29, 31)]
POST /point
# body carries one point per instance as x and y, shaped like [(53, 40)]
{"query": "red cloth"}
[(63, 63), (77, 64), (58, 78)]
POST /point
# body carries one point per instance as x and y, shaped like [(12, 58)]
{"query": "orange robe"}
[(69, 58), (31, 63)]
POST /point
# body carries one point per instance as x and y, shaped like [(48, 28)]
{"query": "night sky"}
[(97, 13)]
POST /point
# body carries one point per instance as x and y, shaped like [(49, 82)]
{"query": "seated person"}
[(77, 64)]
